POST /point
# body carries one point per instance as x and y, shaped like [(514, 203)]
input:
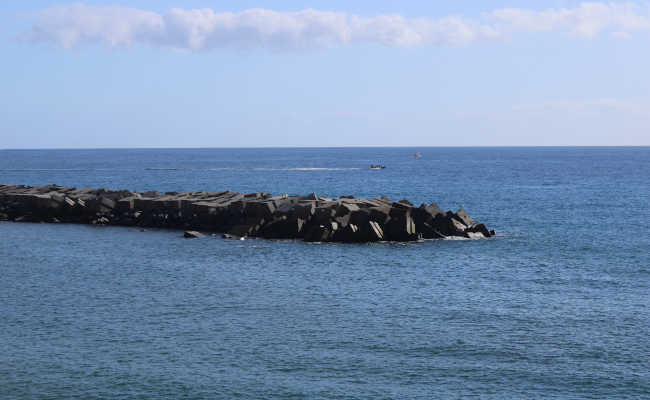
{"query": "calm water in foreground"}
[(556, 306)]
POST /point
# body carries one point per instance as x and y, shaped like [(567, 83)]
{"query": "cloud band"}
[(206, 29)]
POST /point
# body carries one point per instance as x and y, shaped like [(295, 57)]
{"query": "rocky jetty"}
[(311, 218)]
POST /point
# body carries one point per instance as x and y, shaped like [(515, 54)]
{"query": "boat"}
[(417, 155), (377, 166)]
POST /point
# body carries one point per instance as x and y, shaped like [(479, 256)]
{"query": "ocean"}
[(555, 306)]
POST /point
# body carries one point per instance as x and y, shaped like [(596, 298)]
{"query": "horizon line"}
[(317, 147)]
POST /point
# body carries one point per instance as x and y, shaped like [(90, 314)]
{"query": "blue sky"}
[(269, 73)]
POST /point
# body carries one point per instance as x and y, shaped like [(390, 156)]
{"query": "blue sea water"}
[(555, 306)]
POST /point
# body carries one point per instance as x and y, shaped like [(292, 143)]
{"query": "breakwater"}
[(311, 218)]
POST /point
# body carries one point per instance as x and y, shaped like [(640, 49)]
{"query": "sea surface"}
[(556, 306)]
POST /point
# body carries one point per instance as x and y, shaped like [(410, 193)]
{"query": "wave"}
[(177, 169), (254, 169), (45, 170), (306, 169)]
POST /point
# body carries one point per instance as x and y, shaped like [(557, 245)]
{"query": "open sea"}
[(556, 306)]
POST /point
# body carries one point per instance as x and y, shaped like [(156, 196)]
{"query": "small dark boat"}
[(377, 166)]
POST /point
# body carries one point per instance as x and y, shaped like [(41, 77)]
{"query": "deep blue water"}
[(556, 306)]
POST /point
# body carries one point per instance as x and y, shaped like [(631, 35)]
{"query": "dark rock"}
[(428, 231), (400, 227), (193, 234), (45, 202), (241, 230), (318, 233), (107, 202), (360, 217), (462, 216), (371, 232), (250, 227), (424, 217), (432, 209), (126, 204), (343, 220), (305, 210), (346, 208), (325, 213), (400, 207), (480, 228), (379, 214), (232, 237), (349, 233), (59, 198), (260, 209), (203, 208), (285, 206), (447, 225), (375, 232), (284, 228), (312, 218)]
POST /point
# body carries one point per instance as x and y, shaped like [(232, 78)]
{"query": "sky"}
[(144, 73)]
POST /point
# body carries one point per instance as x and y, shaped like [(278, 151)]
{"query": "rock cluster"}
[(311, 218)]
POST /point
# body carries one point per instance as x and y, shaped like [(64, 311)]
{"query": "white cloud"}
[(587, 20), (205, 29), (111, 25)]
